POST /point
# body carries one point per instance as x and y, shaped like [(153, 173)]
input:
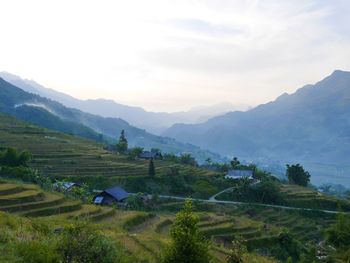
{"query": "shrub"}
[(11, 157), (35, 251), (187, 246), (81, 243)]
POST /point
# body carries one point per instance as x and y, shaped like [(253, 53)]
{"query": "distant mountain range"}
[(50, 114), (310, 126), (154, 122)]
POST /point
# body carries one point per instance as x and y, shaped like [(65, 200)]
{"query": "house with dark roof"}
[(150, 155), (239, 174), (113, 195)]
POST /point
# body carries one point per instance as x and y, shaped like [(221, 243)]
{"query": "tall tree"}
[(297, 175), (122, 145), (151, 168), (187, 246), (235, 163)]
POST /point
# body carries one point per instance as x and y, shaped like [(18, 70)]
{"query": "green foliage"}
[(122, 145), (237, 251), (297, 175), (185, 158), (188, 159), (288, 247), (339, 233), (11, 157), (83, 193), (38, 251), (135, 202), (151, 168), (187, 246), (133, 153), (203, 188), (26, 175), (235, 163), (81, 243), (267, 191)]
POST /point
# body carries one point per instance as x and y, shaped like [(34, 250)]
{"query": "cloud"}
[(175, 54), (205, 27)]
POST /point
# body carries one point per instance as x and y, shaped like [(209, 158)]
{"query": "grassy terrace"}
[(65, 156), (144, 234), (31, 201)]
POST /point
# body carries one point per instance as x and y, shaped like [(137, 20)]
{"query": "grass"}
[(68, 157), (30, 201)]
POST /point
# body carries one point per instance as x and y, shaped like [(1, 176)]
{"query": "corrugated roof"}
[(117, 192), (239, 173), (147, 154)]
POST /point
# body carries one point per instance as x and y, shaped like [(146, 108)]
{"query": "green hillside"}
[(53, 115), (31, 201), (68, 157)]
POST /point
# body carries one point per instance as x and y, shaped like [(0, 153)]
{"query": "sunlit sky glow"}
[(172, 55)]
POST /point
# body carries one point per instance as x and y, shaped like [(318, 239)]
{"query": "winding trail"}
[(213, 200)]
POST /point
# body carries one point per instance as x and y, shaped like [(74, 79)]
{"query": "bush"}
[(188, 246), (11, 157), (339, 233), (26, 175), (38, 252), (81, 243)]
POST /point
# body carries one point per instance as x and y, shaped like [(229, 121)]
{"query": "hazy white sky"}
[(171, 55)]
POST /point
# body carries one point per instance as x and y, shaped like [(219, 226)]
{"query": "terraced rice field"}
[(65, 156), (30, 201), (260, 227), (299, 196)]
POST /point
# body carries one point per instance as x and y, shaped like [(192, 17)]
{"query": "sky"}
[(173, 55)]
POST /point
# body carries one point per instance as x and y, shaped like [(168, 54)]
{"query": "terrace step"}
[(50, 200), (49, 211), (7, 189), (25, 196), (107, 212)]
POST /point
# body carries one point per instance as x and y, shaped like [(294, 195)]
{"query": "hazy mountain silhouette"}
[(154, 122), (311, 126), (53, 115)]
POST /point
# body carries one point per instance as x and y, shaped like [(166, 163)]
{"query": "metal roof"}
[(239, 173), (117, 192), (147, 154)]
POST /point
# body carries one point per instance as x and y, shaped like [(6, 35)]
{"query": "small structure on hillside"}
[(113, 195), (66, 186), (150, 155), (239, 174)]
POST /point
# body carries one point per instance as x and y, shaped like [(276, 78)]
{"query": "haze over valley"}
[(179, 131)]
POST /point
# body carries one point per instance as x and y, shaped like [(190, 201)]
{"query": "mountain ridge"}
[(51, 114), (154, 122), (309, 126)]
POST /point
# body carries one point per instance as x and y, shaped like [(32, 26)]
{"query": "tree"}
[(235, 163), (187, 158), (237, 251), (81, 243), (297, 175), (134, 153), (339, 233), (11, 157), (208, 161), (122, 145), (187, 245), (151, 168)]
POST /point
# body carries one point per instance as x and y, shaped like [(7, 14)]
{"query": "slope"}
[(311, 126), (154, 122), (53, 115)]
